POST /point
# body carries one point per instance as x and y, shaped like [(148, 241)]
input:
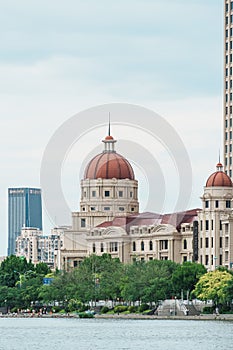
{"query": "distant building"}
[(36, 247), (24, 210), (228, 97)]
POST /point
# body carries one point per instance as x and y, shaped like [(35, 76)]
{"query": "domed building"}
[(108, 189), (215, 221), (109, 220)]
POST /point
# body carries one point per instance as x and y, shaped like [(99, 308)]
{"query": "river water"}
[(92, 334)]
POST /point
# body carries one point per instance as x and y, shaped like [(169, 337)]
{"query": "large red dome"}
[(109, 165), (219, 178)]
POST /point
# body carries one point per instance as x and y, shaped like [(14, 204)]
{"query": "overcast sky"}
[(58, 58)]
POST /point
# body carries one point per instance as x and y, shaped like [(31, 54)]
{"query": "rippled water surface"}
[(85, 334)]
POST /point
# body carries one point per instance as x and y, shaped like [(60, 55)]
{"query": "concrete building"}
[(215, 222), (36, 247), (228, 52), (24, 210)]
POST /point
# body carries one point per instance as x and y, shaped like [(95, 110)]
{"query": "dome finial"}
[(109, 124)]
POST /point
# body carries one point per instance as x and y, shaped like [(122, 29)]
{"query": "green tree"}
[(12, 268), (212, 286), (186, 276)]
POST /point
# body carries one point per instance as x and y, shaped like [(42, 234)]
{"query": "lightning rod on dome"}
[(109, 124)]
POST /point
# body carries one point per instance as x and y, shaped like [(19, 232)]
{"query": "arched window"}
[(151, 245), (102, 247), (142, 245), (93, 248), (185, 244), (134, 246)]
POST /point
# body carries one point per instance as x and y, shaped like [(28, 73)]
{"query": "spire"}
[(109, 125), (109, 140)]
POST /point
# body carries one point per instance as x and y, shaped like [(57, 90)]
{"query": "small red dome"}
[(109, 165), (109, 137), (219, 179)]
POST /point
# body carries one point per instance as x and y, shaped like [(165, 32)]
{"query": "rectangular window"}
[(83, 222), (230, 135), (231, 45), (227, 59), (228, 204), (107, 193), (207, 242), (226, 149), (226, 136), (226, 242), (231, 5), (207, 204), (230, 109), (101, 247), (231, 122), (113, 246), (230, 173), (230, 70), (207, 225), (231, 18), (212, 225), (201, 243), (226, 33), (120, 193), (121, 208), (93, 193), (226, 111), (226, 97), (220, 259), (212, 242), (230, 160), (220, 242), (220, 225), (92, 208), (226, 85), (207, 260), (226, 20), (231, 96), (231, 59), (212, 260), (226, 72), (230, 147), (106, 208), (201, 226), (231, 32), (131, 194), (226, 7), (226, 46)]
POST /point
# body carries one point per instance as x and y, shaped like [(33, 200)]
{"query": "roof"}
[(175, 219)]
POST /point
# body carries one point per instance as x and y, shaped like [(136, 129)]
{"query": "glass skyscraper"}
[(24, 210)]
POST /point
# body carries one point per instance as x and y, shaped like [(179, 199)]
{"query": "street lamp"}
[(175, 306)]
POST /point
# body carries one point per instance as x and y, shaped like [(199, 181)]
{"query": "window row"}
[(228, 84), (227, 110), (231, 6), (229, 32), (227, 46), (230, 123), (113, 247), (230, 163), (228, 204), (230, 148), (229, 18), (106, 209), (107, 193), (226, 135), (209, 242), (163, 245), (230, 172), (209, 225), (228, 71)]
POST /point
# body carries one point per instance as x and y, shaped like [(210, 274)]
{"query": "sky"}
[(60, 58)]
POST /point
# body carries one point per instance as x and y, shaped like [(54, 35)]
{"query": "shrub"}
[(85, 315), (120, 308), (132, 309), (143, 307), (104, 310)]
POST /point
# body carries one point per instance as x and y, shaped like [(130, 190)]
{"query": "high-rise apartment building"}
[(228, 76), (24, 210)]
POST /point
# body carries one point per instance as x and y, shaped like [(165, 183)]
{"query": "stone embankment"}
[(203, 317)]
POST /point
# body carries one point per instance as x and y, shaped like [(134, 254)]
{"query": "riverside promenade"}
[(202, 317)]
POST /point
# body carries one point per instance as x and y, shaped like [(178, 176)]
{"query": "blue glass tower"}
[(24, 210)]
